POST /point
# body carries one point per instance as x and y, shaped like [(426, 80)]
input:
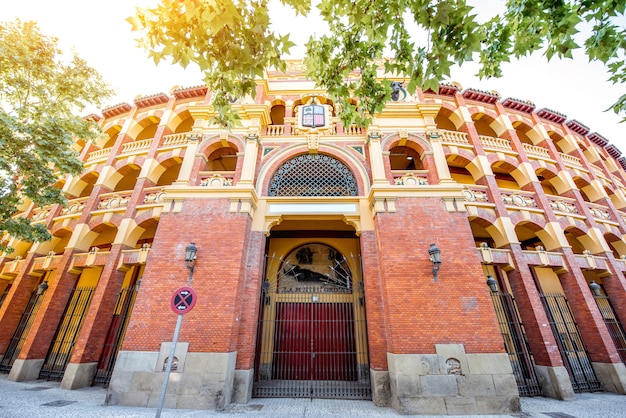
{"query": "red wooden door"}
[(314, 341)]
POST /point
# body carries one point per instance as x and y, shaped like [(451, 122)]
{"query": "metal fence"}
[(616, 330), (516, 344), (115, 335), (21, 332), (571, 346), (63, 343)]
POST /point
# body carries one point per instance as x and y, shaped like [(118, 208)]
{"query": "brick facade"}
[(501, 192)]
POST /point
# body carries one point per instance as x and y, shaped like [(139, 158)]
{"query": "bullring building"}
[(462, 251)]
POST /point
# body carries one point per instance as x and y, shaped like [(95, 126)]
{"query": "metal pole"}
[(168, 369)]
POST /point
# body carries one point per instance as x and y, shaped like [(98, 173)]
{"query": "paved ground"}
[(46, 399)]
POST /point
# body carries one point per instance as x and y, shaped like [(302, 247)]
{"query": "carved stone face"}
[(453, 366)]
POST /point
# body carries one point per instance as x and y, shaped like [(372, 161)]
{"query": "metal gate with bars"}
[(63, 343), (21, 332), (115, 335), (312, 334), (571, 346), (516, 344), (616, 330)]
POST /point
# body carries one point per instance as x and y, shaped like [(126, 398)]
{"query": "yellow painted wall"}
[(548, 280)]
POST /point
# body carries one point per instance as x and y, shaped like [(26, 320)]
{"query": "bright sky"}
[(99, 33)]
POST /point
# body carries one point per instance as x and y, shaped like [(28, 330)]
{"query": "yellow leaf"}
[(134, 22)]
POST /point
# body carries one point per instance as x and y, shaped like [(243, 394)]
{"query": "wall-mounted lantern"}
[(492, 283), (435, 258), (190, 258), (595, 288)]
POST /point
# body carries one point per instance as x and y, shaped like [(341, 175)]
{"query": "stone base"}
[(78, 375), (24, 370), (381, 393), (242, 386), (452, 382), (612, 376), (555, 382), (200, 381)]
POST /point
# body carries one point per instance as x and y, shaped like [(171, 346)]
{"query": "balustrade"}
[(571, 160), (536, 151), (99, 154), (454, 137), (275, 130), (353, 130), (174, 139), (495, 143), (136, 146)]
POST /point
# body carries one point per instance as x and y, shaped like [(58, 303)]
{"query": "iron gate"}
[(67, 332), (571, 346), (311, 339), (616, 330), (115, 335), (516, 344), (21, 332)]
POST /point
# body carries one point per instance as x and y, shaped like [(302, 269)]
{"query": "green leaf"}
[(231, 41)]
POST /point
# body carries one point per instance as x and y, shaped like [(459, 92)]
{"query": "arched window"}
[(313, 175)]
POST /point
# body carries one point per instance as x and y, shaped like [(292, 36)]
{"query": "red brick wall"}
[(222, 240), (248, 318), (375, 305), (420, 313)]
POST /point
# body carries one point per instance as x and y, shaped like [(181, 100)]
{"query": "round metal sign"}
[(183, 300)]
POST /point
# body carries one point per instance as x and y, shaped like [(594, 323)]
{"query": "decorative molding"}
[(113, 202), (313, 143), (216, 180), (155, 197), (73, 207), (410, 179), (516, 199), (475, 195), (561, 205)]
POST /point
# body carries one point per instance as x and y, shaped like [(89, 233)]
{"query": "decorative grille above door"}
[(313, 175)]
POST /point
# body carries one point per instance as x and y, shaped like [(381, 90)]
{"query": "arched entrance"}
[(312, 338)]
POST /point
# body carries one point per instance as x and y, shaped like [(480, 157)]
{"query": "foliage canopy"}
[(40, 92), (231, 42)]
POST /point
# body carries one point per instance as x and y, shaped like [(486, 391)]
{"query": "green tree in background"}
[(40, 92), (231, 42)]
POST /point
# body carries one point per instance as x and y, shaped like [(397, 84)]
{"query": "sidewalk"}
[(45, 399)]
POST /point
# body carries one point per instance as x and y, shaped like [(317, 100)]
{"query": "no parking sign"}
[(183, 300)]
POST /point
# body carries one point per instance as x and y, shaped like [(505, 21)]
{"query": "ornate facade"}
[(461, 252)]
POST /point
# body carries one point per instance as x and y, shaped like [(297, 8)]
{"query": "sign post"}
[(183, 300)]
